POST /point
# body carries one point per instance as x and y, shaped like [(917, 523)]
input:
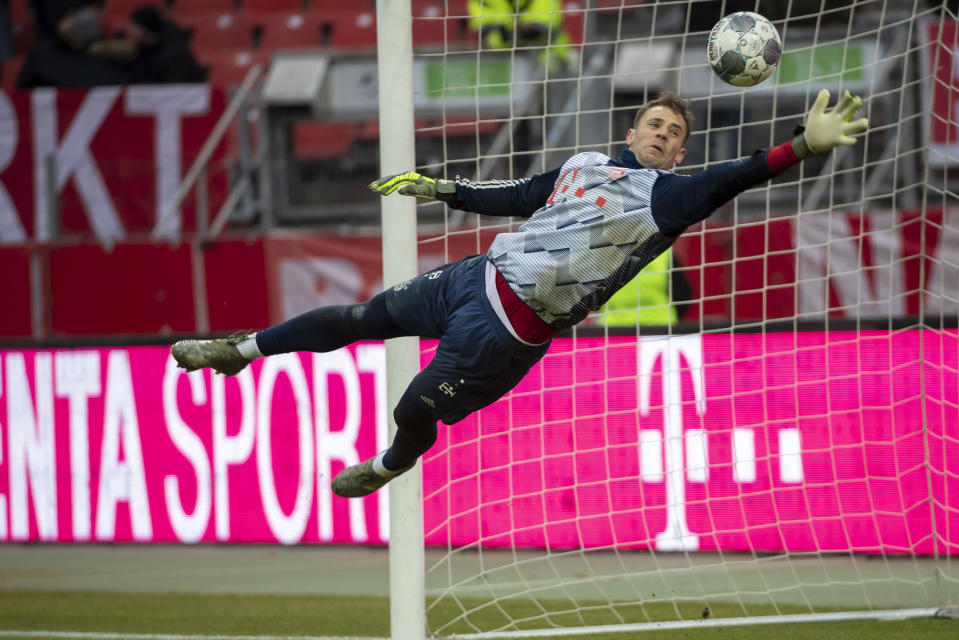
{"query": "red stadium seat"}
[(432, 33), (118, 11), (186, 7), (574, 21), (20, 10), (324, 6), (617, 4), (431, 8), (273, 6), (456, 8), (441, 22), (351, 30), (315, 140), (10, 71), (214, 32), (455, 127), (229, 68), (430, 26), (467, 126), (24, 33), (290, 31)]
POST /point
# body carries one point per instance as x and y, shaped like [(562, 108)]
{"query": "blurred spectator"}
[(155, 50), (533, 25), (47, 14), (61, 55), (503, 24), (6, 31), (163, 49), (80, 29)]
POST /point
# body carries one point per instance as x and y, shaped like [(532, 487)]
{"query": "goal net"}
[(785, 447)]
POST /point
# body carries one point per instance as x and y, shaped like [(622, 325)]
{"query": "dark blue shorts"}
[(477, 360)]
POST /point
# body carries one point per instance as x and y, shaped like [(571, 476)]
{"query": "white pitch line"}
[(90, 635), (838, 616)]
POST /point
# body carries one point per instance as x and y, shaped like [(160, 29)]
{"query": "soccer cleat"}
[(219, 354), (360, 480)]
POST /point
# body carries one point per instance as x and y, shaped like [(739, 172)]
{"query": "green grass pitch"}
[(184, 614)]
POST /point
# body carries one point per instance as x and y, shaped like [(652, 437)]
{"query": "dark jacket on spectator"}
[(168, 58)]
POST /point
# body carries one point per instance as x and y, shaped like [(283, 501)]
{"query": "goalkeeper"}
[(593, 224)]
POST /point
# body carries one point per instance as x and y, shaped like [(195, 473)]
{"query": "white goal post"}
[(789, 450), (395, 54)]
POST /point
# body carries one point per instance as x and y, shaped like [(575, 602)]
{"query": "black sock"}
[(330, 328)]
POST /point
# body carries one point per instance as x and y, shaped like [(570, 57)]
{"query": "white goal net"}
[(789, 444)]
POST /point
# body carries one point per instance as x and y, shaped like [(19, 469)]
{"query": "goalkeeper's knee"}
[(416, 433)]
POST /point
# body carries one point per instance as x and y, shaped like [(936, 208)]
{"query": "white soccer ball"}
[(744, 48)]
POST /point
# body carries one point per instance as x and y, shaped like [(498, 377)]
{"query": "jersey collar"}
[(627, 159)]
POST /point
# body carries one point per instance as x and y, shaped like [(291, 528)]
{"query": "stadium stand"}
[(215, 33), (275, 6), (224, 28), (574, 19), (351, 30), (453, 8), (10, 71), (313, 140), (19, 9), (120, 10), (326, 5), (205, 6), (429, 26), (290, 31), (230, 36), (316, 140), (228, 68), (22, 26)]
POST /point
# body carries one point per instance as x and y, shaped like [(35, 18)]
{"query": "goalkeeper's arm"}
[(493, 198), (681, 201)]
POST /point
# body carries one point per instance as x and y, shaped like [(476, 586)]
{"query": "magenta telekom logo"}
[(678, 455)]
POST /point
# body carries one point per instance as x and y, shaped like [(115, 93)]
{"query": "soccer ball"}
[(744, 48)]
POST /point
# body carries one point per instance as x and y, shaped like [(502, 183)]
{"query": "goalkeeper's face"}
[(658, 141)]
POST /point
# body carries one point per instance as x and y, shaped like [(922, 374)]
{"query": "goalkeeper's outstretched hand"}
[(825, 130), (413, 184)]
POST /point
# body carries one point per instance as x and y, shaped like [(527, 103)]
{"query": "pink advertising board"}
[(799, 441)]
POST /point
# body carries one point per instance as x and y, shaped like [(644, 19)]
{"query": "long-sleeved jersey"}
[(595, 222)]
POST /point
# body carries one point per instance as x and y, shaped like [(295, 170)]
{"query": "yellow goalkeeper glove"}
[(827, 130), (413, 184)]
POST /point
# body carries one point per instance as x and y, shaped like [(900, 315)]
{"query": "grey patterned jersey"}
[(593, 236)]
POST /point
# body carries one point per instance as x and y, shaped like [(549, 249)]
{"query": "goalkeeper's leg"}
[(321, 330), (415, 434), (475, 364)]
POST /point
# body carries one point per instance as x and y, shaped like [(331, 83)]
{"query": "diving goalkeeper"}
[(592, 225)]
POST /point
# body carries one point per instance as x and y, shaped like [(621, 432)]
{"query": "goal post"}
[(395, 55), (787, 451)]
